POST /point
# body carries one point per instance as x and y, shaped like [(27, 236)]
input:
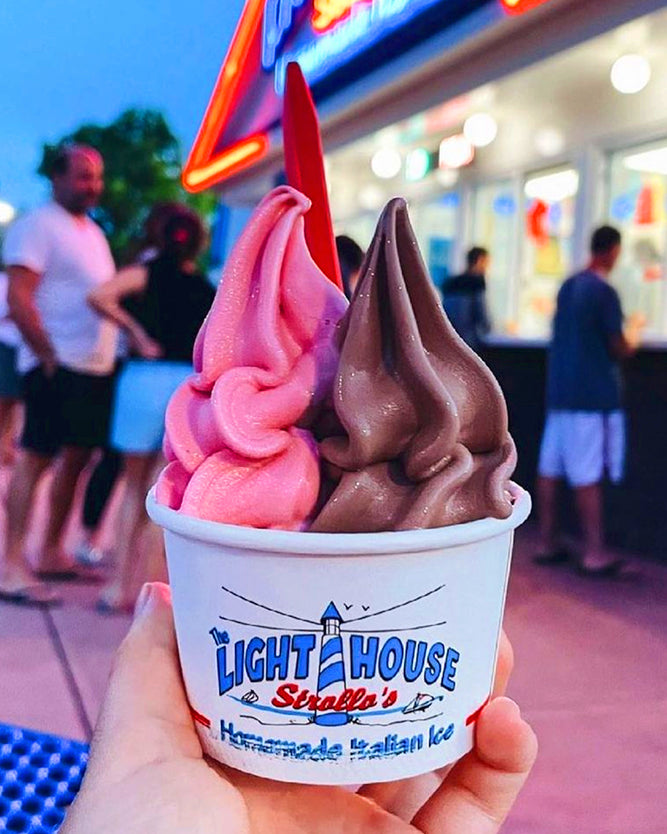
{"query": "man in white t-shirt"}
[(55, 256), (10, 381)]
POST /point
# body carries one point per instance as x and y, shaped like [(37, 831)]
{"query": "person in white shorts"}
[(584, 435)]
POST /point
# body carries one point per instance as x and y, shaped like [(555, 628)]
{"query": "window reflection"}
[(494, 226), (637, 187), (549, 201), (436, 225)]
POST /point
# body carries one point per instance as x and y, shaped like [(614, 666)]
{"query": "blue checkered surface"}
[(39, 777)]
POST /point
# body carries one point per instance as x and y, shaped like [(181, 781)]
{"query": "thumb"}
[(482, 787), (145, 716)]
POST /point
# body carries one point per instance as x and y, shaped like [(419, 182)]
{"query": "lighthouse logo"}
[(334, 670), (331, 674)]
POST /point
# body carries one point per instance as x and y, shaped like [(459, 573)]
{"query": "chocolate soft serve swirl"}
[(423, 438)]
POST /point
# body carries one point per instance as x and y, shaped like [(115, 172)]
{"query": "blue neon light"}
[(623, 206), (278, 17), (504, 205), (366, 24)]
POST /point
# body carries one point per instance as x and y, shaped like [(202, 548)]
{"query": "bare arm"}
[(620, 348), (23, 283), (626, 344), (106, 300)]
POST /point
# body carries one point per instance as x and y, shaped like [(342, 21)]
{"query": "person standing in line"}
[(464, 299), (584, 435), (350, 257), (161, 306), (10, 381), (55, 256), (105, 474)]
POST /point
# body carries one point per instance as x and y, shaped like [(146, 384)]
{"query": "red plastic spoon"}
[(304, 167)]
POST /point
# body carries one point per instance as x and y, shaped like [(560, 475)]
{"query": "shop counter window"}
[(549, 211), (637, 192), (436, 225), (494, 226), (360, 228)]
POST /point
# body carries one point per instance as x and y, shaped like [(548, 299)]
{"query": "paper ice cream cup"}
[(337, 658)]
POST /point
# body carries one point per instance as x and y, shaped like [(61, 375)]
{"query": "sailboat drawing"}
[(250, 697), (420, 703)]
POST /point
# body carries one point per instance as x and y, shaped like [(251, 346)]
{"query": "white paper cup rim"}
[(299, 543)]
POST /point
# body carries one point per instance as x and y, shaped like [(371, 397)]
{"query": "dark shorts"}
[(67, 409), (10, 379)]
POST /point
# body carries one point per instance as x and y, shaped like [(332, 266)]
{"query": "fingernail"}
[(515, 708), (143, 600)]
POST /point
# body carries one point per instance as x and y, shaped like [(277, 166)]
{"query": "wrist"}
[(47, 359)]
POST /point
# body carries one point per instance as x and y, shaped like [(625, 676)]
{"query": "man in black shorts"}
[(55, 256)]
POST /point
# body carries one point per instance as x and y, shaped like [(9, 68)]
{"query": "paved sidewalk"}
[(590, 676)]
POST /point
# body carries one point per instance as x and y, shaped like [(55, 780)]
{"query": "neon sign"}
[(328, 12), (323, 36), (520, 6), (278, 19), (364, 24)]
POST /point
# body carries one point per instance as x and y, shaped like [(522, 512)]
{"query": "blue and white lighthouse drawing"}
[(331, 672), (332, 704)]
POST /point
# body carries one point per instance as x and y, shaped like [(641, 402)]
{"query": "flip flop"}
[(31, 596), (552, 557), (617, 569), (73, 574)]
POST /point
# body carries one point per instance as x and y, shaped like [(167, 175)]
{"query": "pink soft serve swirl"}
[(237, 431)]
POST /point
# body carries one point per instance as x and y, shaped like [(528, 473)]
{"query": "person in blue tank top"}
[(584, 435)]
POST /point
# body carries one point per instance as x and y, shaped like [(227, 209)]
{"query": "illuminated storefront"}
[(509, 124), (513, 124), (559, 149)]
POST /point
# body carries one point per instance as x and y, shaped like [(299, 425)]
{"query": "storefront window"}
[(549, 199), (637, 188), (494, 226), (360, 228), (436, 225)]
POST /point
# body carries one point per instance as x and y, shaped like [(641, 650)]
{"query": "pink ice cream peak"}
[(237, 431)]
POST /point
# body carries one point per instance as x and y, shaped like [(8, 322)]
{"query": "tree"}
[(142, 163)]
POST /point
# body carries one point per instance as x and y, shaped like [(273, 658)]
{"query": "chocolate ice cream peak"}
[(425, 440)]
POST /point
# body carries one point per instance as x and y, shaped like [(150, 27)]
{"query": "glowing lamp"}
[(456, 152), (7, 212), (630, 73), (386, 163), (417, 164), (480, 129), (552, 188)]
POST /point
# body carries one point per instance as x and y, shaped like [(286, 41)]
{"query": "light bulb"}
[(455, 152), (7, 212), (480, 129), (417, 164), (630, 73), (386, 163)]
